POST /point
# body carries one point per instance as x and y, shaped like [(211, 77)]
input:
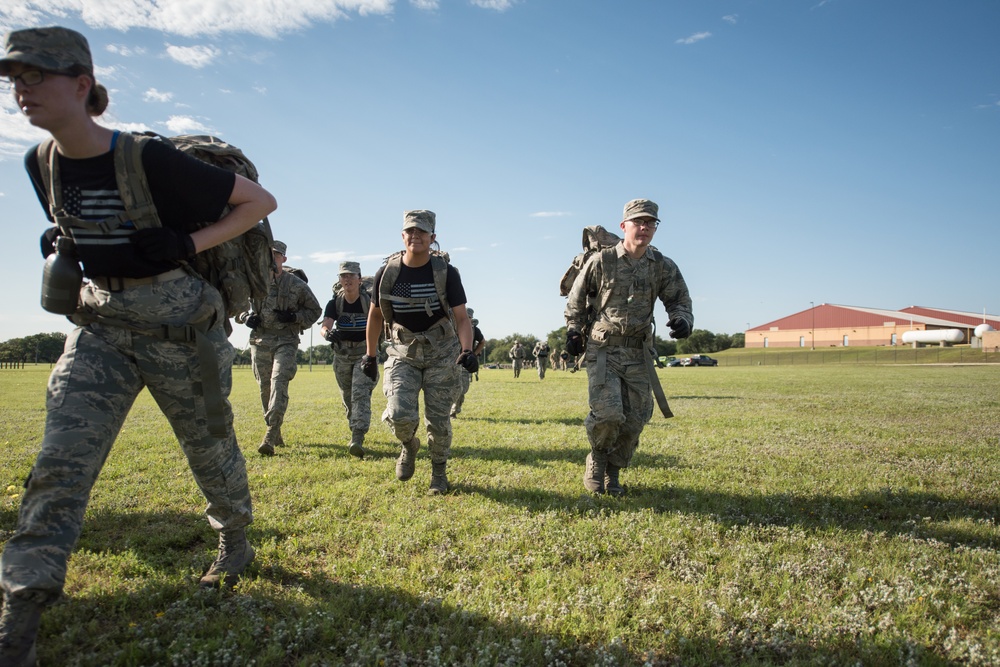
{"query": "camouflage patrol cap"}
[(469, 311), (641, 208), (350, 267), (421, 219), (278, 246), (55, 49)]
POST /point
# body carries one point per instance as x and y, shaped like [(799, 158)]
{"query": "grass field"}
[(794, 515)]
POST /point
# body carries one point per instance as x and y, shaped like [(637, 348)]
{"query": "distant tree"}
[(665, 348), (739, 340), (557, 339), (37, 348), (700, 341)]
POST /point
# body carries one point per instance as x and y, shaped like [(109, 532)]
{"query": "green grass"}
[(794, 515)]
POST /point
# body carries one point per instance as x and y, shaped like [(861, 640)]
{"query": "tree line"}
[(46, 347)]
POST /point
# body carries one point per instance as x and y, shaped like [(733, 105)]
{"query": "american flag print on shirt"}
[(95, 204), (425, 292)]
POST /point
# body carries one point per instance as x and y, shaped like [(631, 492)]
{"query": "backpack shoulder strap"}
[(440, 268), (133, 187), (389, 275)]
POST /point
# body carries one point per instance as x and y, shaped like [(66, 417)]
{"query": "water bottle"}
[(61, 279)]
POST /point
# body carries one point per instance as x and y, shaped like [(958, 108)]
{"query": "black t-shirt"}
[(477, 337), (352, 322), (417, 283), (186, 192)]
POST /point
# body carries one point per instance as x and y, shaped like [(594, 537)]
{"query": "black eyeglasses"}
[(648, 224), (31, 77)]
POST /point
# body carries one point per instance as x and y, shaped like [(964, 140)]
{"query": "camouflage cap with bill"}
[(55, 49)]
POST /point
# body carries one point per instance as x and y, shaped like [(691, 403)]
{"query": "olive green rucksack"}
[(239, 268)]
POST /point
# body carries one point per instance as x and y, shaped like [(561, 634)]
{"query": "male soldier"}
[(289, 309), (344, 326), (618, 356), (516, 355), (478, 343), (554, 360), (541, 355), (564, 360)]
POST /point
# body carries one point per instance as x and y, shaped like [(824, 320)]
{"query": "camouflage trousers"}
[(621, 401), (274, 366), (423, 361), (91, 389), (542, 363), (464, 381), (517, 364), (355, 387)]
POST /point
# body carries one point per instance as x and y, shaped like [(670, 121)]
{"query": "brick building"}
[(831, 325)]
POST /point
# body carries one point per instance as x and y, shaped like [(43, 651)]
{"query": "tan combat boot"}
[(593, 474), (407, 461), (356, 447), (611, 484), (270, 440), (235, 553), (439, 478)]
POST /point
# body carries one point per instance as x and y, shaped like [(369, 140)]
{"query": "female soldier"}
[(417, 294), (138, 292)]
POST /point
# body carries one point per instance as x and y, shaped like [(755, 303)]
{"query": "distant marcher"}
[(420, 296), (140, 320), (516, 355), (344, 323), (617, 350), (479, 342), (554, 359), (541, 354), (289, 309), (564, 359)]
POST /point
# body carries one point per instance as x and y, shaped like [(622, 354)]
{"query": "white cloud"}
[(154, 95), (697, 37), (193, 56), (731, 18), (428, 5), (329, 257), (187, 125), (262, 90), (498, 5), (550, 214), (126, 51), (16, 133), (191, 18)]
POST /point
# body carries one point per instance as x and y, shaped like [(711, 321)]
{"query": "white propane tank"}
[(934, 336), (981, 329)]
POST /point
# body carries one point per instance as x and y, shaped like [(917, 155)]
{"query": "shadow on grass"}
[(569, 421), (919, 515), (277, 616)]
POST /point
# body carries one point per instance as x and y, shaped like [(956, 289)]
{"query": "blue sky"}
[(827, 151)]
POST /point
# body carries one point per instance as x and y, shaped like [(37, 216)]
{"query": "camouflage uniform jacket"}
[(286, 292), (613, 296)]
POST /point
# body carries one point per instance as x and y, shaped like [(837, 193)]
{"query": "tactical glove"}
[(679, 327), (48, 240), (369, 366), (286, 316), (162, 244), (253, 321), (334, 336), (574, 342), (468, 361)]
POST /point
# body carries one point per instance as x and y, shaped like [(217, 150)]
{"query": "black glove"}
[(369, 366), (679, 327), (48, 240), (574, 342), (468, 361), (334, 336), (286, 316), (162, 244), (253, 321)]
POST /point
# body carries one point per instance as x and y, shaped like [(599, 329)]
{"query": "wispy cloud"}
[(196, 17), (126, 51), (193, 56), (731, 18), (154, 95), (187, 125), (16, 133), (551, 214), (426, 5), (498, 5), (697, 37)]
